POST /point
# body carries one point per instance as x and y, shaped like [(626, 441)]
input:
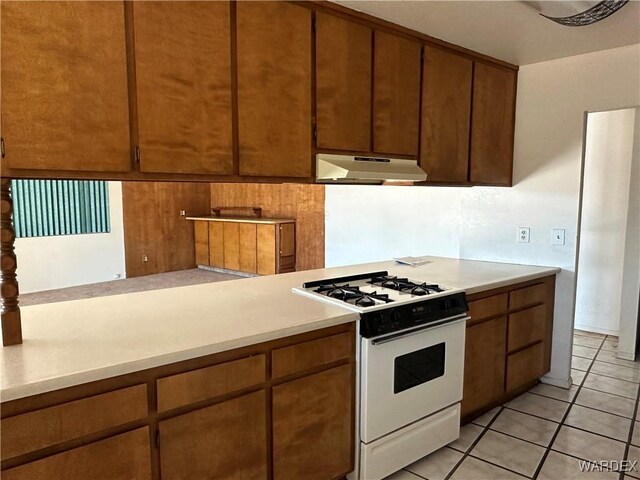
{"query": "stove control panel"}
[(398, 318)]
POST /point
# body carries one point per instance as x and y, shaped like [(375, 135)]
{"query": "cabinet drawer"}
[(526, 327), (525, 366), (197, 385), (123, 457), (49, 426), (527, 296), (297, 358), (487, 307)]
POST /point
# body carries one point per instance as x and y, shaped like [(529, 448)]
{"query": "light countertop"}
[(79, 341), (270, 221)]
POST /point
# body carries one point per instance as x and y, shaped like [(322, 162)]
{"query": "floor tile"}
[(564, 394), (585, 352), (468, 435), (544, 407), (526, 427), (512, 453), (609, 356), (560, 466), (599, 422), (581, 363), (586, 445), (634, 456), (437, 465), (616, 371), (611, 385), (592, 342), (487, 417), (577, 376), (474, 469), (402, 475), (635, 439), (606, 402), (611, 345), (584, 333)]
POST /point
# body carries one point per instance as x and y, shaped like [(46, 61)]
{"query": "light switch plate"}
[(557, 236), (523, 234)]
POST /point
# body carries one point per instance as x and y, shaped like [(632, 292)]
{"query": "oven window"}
[(416, 368)]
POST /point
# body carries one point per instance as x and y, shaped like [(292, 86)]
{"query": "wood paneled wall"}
[(305, 203), (153, 226)]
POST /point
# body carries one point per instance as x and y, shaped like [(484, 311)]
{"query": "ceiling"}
[(510, 30)]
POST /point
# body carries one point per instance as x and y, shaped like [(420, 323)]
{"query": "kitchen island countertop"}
[(80, 341)]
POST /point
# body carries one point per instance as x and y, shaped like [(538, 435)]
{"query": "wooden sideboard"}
[(262, 246)]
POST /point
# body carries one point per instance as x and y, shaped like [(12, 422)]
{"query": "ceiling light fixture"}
[(598, 12)]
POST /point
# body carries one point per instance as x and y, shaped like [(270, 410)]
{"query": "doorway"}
[(608, 264)]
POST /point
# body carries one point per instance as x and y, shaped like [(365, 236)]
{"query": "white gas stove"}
[(410, 352)]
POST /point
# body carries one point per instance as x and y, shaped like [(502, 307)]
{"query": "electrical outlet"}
[(145, 259), (557, 236), (523, 234), (183, 213)]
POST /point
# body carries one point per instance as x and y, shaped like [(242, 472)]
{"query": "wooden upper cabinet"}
[(183, 76), (343, 84), (446, 116), (492, 129), (396, 95), (274, 89), (65, 103)]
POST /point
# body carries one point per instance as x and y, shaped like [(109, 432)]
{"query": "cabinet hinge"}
[(137, 154), (1, 147), (157, 438)]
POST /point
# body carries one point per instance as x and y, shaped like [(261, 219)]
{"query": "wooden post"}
[(9, 309)]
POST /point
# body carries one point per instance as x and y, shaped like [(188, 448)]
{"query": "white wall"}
[(630, 294), (46, 263), (481, 222), (603, 228)]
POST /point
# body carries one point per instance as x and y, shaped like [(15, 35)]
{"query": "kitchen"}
[(175, 365)]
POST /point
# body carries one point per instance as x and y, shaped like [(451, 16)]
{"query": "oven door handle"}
[(403, 334)]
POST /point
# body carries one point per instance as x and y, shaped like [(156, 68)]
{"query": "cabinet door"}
[(201, 233), (248, 247), (274, 89), (65, 103), (343, 84), (216, 244), (266, 249), (396, 95), (123, 457), (484, 364), (227, 441), (446, 116), (183, 77), (313, 419), (492, 127)]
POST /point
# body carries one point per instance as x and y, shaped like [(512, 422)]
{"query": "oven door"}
[(408, 375)]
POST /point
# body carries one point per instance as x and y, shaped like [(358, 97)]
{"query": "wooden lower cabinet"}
[(282, 409), (227, 441), (123, 457), (485, 349), (508, 343), (246, 245), (312, 433)]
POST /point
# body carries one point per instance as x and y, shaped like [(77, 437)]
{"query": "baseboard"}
[(591, 328), (625, 355), (557, 382)]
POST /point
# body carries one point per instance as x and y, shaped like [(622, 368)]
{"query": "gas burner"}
[(405, 285), (371, 299), (353, 295)]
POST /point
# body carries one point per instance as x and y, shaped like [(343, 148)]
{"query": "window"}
[(59, 207)]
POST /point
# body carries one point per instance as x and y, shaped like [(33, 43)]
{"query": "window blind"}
[(59, 207)]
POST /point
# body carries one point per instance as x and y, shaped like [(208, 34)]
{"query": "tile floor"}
[(547, 431)]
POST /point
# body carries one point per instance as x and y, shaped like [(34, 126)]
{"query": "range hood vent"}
[(368, 170)]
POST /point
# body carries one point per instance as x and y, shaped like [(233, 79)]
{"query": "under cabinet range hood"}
[(368, 170)]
